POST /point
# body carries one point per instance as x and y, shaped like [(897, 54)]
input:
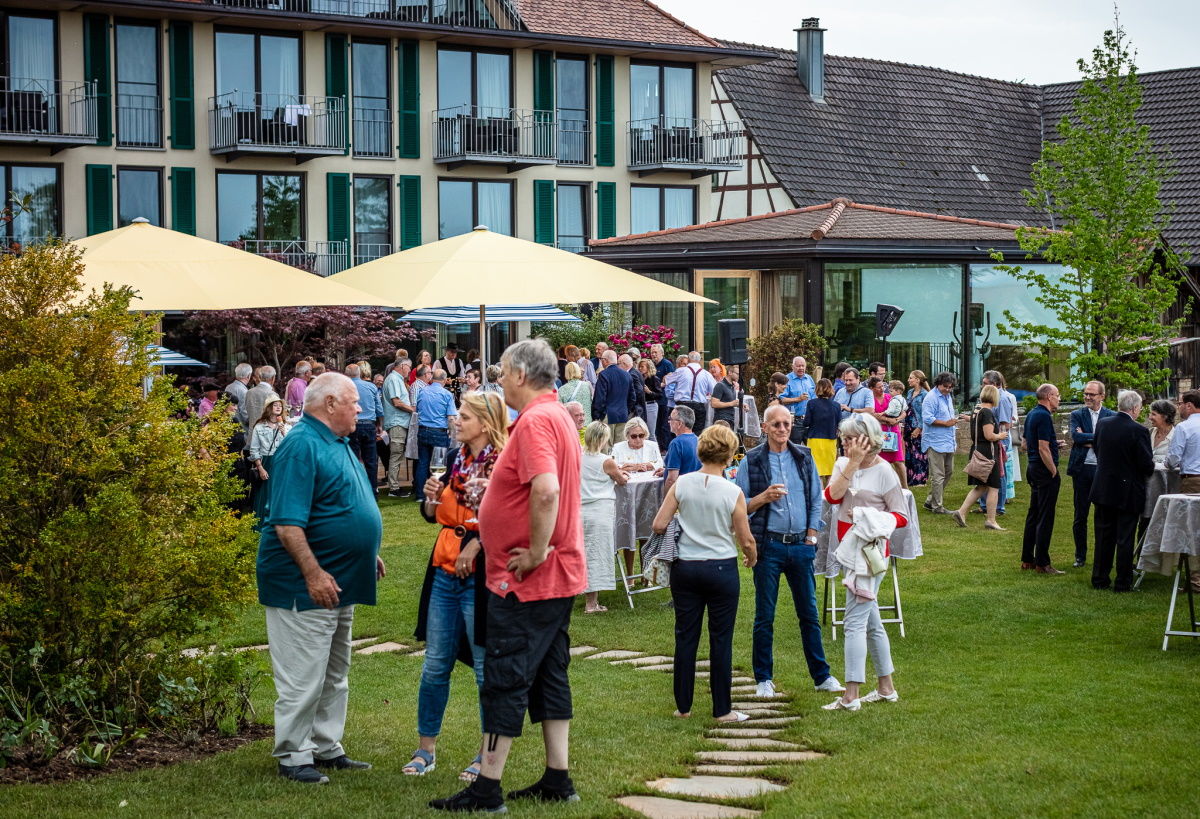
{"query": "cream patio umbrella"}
[(169, 270), (492, 270)]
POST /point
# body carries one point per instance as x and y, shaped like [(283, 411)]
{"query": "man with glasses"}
[(1081, 465)]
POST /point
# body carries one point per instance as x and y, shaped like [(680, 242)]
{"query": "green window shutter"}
[(606, 210), (97, 70), (99, 198), (181, 85), (409, 77), (543, 212), (338, 203), (543, 80), (337, 75), (410, 211), (183, 200), (606, 116)]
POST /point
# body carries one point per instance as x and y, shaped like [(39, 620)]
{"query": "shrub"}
[(643, 337), (773, 352), (117, 545), (598, 323)]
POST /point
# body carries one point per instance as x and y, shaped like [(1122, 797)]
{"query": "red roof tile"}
[(636, 20)]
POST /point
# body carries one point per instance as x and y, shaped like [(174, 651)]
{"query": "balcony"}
[(139, 121), (574, 140), (493, 14), (321, 258), (696, 146), (494, 136), (244, 123), (55, 113), (372, 132), (370, 251)]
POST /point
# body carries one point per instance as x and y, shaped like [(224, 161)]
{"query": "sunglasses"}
[(637, 435)]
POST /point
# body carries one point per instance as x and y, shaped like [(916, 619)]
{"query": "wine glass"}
[(475, 485), (437, 465)]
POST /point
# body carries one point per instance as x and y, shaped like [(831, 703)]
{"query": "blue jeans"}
[(362, 444), (795, 562), (427, 439), (451, 614)]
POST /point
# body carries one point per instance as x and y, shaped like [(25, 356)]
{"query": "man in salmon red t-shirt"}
[(532, 538)]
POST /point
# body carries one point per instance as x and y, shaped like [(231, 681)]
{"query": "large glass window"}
[(372, 109), (261, 69), (572, 217), (372, 217), (661, 93), (139, 195), (463, 204), (259, 207), (476, 82), (139, 117), (661, 208), (674, 314), (571, 97), (43, 218), (31, 68), (732, 297)]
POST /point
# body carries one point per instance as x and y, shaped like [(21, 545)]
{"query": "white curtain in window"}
[(280, 70), (493, 83), (495, 206), (678, 207)]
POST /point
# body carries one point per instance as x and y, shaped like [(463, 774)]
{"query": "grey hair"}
[(686, 415), (1164, 408), (694, 356), (243, 370), (1103, 389), (266, 372), (493, 373), (353, 371), (657, 348), (609, 357), (799, 358), (325, 385), (400, 362), (994, 378), (636, 423), (865, 425), (1129, 401), (572, 404), (535, 359), (303, 367), (1043, 392), (596, 436), (439, 375)]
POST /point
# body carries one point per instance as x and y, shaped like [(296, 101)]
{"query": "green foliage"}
[(1101, 180), (603, 321), (773, 353), (117, 545)]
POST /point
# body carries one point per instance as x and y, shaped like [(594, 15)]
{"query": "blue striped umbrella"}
[(169, 358), (470, 314)]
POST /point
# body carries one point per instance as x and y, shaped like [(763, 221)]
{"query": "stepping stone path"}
[(748, 748), (379, 648)]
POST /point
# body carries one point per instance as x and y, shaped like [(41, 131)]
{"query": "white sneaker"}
[(766, 688), (875, 696), (841, 705), (831, 685)]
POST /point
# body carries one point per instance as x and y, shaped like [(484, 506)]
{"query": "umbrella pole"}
[(483, 344)]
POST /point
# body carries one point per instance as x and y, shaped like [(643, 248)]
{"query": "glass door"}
[(734, 292)]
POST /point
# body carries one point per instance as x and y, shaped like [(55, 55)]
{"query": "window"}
[(372, 107), (676, 314), (139, 194), (571, 218), (372, 217), (255, 207), (663, 95), (30, 68), (139, 106), (474, 83), (463, 204), (571, 97), (260, 71), (42, 219), (661, 208)]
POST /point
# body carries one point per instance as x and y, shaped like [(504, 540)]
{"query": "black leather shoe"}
[(467, 801), (342, 763), (303, 773), (543, 793)]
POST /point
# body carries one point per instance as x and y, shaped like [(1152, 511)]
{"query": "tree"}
[(1100, 180), (773, 353)]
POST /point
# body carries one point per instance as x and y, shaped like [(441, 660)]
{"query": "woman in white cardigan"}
[(637, 453)]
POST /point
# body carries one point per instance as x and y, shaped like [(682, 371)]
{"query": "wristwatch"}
[(811, 540)]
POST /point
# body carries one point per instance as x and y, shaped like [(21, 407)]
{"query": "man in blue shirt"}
[(398, 410), (1044, 481), (783, 499), (435, 408), (800, 389), (938, 423), (369, 423), (681, 455), (853, 397)]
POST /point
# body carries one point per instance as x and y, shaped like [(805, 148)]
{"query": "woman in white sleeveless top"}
[(600, 477)]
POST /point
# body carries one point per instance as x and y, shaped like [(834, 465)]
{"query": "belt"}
[(787, 539), (1188, 476)]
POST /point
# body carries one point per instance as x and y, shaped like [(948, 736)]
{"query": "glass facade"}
[(732, 297), (139, 194), (675, 314)]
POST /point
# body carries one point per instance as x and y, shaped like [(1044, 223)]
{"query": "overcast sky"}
[(1035, 41)]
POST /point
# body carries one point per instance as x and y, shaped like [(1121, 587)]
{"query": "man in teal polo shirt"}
[(318, 558)]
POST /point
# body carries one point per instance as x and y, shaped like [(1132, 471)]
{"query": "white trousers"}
[(863, 630), (310, 657)]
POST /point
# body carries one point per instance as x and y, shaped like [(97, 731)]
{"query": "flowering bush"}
[(643, 336)]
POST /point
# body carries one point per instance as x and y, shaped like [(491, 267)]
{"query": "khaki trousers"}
[(310, 657), (616, 432), (398, 437), (941, 467), (1190, 485)]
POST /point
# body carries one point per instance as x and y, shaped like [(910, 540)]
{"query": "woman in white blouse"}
[(1162, 428), (712, 522), (265, 437), (637, 453), (600, 477)]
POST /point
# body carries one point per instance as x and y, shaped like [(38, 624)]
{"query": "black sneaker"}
[(342, 763), (303, 773), (467, 801), (544, 793)]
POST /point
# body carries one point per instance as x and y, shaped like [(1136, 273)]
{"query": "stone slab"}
[(362, 641), (731, 770), (742, 680), (743, 733), (577, 650), (658, 667), (616, 654), (263, 647), (769, 720), (759, 704), (761, 713), (757, 757), (379, 648), (714, 787), (420, 653), (748, 743), (653, 659), (658, 807), (702, 675)]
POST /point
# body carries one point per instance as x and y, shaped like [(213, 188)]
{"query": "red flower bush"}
[(643, 336)]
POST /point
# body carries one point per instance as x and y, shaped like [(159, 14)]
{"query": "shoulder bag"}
[(978, 467)]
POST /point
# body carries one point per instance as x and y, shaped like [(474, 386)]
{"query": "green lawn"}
[(1021, 694)]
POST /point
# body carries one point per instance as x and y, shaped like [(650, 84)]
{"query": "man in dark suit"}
[(625, 362), (614, 399), (1081, 467), (1124, 461)]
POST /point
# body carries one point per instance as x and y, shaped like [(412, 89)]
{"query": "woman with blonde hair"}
[(452, 611), (985, 433), (712, 522), (652, 387), (600, 477), (576, 389)]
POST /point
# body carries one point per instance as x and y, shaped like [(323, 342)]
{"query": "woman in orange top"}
[(451, 613)]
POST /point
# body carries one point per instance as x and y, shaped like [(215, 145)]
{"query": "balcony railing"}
[(301, 126), (696, 145), (139, 121), (495, 14), (574, 141), (322, 258), (54, 112), (369, 251), (495, 136), (372, 132)]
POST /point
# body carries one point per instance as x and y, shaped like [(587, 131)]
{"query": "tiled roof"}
[(636, 20), (839, 219)]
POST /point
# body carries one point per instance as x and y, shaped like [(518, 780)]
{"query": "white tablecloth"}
[(637, 504), (1163, 482), (905, 545), (1174, 530)]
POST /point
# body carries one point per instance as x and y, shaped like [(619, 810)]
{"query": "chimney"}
[(810, 58)]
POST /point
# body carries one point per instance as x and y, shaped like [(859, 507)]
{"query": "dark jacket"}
[(760, 478), (614, 396), (638, 385), (1124, 461), (1081, 441)]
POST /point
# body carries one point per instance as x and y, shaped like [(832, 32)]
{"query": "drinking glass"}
[(437, 465)]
